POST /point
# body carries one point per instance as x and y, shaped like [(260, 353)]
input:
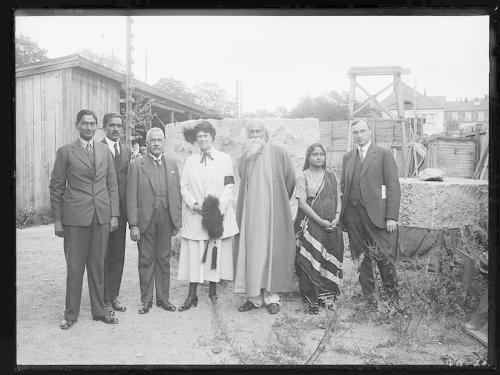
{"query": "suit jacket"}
[(377, 170), (141, 195), (77, 190), (121, 176)]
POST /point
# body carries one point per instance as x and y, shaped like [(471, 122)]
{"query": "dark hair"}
[(309, 151), (191, 133), (206, 127), (85, 112), (355, 122), (109, 116)]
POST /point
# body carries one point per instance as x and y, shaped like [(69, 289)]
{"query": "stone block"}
[(453, 203)]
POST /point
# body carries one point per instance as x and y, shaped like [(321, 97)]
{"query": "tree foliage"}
[(332, 106), (212, 96), (176, 88), (109, 61), (27, 51)]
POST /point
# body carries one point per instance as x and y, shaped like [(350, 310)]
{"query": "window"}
[(481, 115), (454, 116), (430, 119), (468, 116), (461, 116)]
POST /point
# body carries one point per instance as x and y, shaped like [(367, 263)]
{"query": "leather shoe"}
[(247, 306), (117, 306), (67, 323), (108, 319), (165, 304), (273, 308), (190, 301), (145, 306)]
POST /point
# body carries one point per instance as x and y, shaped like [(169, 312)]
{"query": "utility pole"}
[(146, 67), (128, 80), (241, 99)]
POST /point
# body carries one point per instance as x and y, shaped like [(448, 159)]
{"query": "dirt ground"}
[(204, 335)]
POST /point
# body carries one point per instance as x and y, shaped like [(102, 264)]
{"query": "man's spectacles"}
[(91, 124)]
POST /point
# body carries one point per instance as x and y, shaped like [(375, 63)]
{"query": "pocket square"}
[(172, 171)]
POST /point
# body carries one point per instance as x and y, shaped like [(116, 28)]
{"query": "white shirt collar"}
[(365, 147), (159, 158), (84, 143), (210, 151), (111, 145)]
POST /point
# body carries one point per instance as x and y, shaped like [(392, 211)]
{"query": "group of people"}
[(96, 188)]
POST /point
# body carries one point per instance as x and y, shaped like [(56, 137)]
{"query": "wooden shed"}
[(48, 97), (455, 156), (334, 137)]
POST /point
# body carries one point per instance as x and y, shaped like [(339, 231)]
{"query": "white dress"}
[(197, 182)]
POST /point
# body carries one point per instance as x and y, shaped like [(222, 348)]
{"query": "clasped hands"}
[(329, 225)]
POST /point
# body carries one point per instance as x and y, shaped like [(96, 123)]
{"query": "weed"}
[(429, 287), (27, 216)]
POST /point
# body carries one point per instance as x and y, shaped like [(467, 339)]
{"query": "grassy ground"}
[(352, 333)]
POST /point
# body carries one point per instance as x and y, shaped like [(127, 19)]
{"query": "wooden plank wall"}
[(46, 108), (454, 156), (333, 135)]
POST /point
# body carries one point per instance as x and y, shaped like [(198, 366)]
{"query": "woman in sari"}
[(320, 247)]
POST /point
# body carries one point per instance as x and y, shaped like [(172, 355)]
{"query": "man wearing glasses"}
[(84, 199)]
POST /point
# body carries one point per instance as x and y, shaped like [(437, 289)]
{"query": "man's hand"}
[(391, 225), (113, 225), (58, 229), (197, 208), (135, 234)]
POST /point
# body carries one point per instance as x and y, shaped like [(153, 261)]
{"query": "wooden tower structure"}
[(397, 121)]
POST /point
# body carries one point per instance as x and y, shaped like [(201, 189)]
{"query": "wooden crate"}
[(455, 156)]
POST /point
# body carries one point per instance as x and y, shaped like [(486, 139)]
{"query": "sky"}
[(281, 59)]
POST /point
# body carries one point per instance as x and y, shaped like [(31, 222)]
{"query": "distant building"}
[(430, 110), (468, 112)]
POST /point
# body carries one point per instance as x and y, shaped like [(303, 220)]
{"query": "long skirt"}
[(192, 267)]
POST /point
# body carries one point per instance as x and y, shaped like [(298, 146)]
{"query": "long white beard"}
[(254, 145)]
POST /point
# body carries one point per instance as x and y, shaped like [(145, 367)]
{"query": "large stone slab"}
[(453, 203)]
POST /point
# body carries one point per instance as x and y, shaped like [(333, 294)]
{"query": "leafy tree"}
[(212, 96), (28, 51), (329, 107), (176, 88), (109, 61)]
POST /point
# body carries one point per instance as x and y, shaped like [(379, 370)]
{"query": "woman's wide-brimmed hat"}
[(191, 133)]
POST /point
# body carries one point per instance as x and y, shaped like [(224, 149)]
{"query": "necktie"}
[(117, 154), (205, 156), (90, 153), (157, 161), (361, 154)]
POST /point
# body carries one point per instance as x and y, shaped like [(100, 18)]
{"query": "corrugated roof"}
[(409, 95)]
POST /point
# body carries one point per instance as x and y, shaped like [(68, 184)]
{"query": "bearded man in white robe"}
[(265, 248)]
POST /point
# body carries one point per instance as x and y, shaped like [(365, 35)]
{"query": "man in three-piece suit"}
[(115, 256), (370, 208), (84, 198), (154, 216)]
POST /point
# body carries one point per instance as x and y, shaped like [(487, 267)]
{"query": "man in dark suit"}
[(115, 256), (154, 216), (370, 209), (84, 198)]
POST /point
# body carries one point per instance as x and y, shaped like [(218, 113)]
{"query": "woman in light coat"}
[(208, 172)]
